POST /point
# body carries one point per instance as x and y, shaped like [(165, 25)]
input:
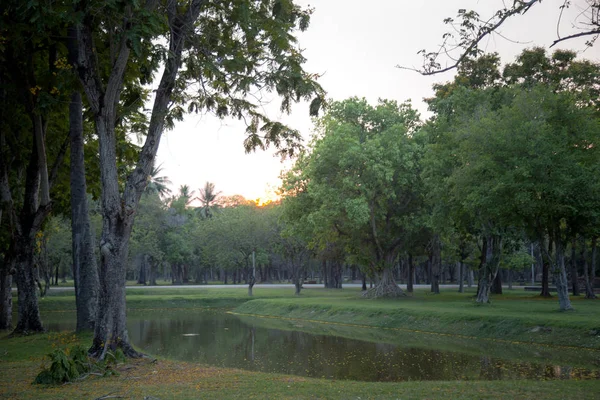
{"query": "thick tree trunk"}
[(574, 277), (85, 270), (29, 313), (153, 271), (111, 330), (490, 261), (386, 286), (411, 274), (5, 297)]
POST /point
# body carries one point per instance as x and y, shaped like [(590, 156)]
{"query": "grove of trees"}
[(503, 174)]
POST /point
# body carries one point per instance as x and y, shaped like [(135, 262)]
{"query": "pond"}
[(337, 352)]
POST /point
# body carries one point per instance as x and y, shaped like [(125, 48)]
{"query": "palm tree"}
[(207, 196), (158, 184)]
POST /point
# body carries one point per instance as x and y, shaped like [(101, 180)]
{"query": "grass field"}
[(512, 322)]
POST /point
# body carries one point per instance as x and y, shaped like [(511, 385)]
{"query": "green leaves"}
[(359, 183)]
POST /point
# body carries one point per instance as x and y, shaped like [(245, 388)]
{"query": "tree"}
[(469, 29), (208, 196), (361, 176), (158, 184), (32, 145), (228, 49), (85, 269), (523, 165)]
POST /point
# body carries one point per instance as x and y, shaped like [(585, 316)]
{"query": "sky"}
[(355, 45)]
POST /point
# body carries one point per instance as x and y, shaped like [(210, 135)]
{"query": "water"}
[(225, 340)]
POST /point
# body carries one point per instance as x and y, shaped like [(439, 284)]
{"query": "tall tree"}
[(85, 269), (207, 196), (32, 68), (524, 164), (362, 176), (229, 48)]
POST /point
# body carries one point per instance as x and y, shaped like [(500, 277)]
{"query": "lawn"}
[(511, 322)]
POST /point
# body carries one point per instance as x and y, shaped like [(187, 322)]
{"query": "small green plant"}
[(65, 366)]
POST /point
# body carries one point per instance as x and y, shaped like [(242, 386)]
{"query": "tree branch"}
[(432, 68), (180, 25), (576, 35)]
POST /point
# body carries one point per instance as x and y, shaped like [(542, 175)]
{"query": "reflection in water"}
[(224, 340)]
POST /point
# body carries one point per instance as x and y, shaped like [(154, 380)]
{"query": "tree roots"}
[(384, 290)]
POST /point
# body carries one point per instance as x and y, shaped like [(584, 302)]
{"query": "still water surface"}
[(225, 340)]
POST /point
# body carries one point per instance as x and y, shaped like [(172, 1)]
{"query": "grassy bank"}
[(168, 379), (450, 321), (514, 317)]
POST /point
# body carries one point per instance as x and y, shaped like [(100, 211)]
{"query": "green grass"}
[(167, 379), (453, 321), (511, 317)]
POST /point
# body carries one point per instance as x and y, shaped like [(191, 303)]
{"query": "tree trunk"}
[(436, 264), (411, 274), (364, 282), (470, 278), (111, 330), (546, 261), (461, 277), (153, 272), (560, 277), (118, 210), (592, 277), (141, 260), (574, 277), (5, 296), (252, 278), (510, 279), (386, 286), (85, 270), (497, 284), (589, 289), (29, 313), (490, 261)]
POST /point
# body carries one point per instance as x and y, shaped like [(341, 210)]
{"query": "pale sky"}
[(356, 46)]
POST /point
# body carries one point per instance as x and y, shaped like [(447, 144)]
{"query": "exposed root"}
[(384, 290), (100, 349)]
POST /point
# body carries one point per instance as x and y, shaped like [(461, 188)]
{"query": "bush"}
[(65, 366), (70, 364)]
